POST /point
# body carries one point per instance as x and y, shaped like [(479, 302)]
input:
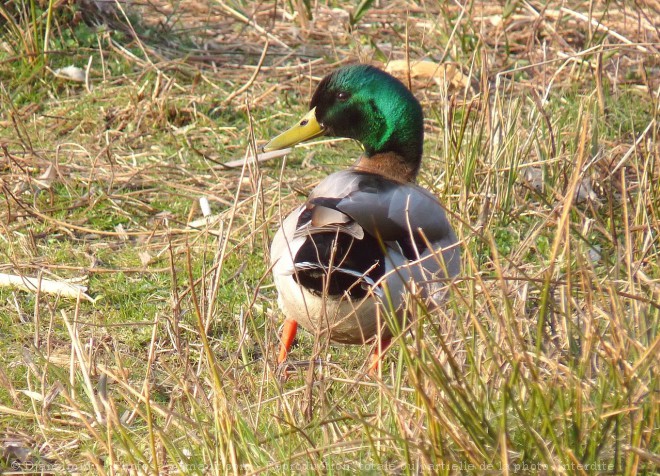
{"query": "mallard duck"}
[(366, 236)]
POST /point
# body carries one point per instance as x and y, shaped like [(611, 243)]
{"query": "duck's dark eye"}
[(342, 96)]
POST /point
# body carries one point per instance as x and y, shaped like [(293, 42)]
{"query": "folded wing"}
[(358, 230)]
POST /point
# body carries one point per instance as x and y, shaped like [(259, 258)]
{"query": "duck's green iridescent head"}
[(366, 104)]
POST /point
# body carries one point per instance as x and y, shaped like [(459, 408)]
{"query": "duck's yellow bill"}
[(307, 128)]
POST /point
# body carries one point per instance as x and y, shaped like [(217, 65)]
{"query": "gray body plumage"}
[(400, 230)]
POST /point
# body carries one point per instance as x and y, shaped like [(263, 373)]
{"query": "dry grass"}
[(541, 139)]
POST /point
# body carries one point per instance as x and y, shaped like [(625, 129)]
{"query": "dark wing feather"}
[(336, 256)]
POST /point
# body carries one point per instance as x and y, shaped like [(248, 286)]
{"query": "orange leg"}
[(288, 334), (377, 355)]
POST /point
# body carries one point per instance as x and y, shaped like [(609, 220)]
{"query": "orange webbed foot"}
[(289, 331), (377, 356)]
